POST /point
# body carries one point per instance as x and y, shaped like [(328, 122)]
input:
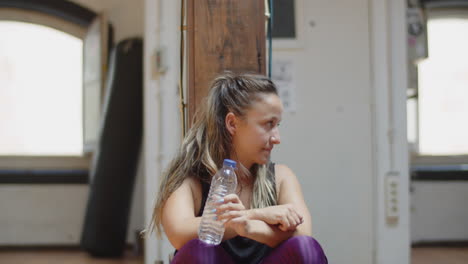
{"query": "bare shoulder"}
[(288, 186), (283, 169), (283, 172)]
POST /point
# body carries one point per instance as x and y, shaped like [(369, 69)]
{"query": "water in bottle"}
[(224, 182)]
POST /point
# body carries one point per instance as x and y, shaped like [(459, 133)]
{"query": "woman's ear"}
[(231, 123)]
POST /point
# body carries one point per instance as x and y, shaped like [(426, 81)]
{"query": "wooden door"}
[(222, 35)]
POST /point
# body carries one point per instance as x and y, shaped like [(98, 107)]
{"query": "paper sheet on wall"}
[(282, 76)]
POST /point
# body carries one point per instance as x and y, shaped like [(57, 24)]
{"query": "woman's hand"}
[(230, 207), (232, 212), (285, 216)]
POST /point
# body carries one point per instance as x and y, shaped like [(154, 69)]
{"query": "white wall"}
[(125, 16), (327, 141), (389, 79), (42, 214), (336, 142), (439, 211), (162, 121)]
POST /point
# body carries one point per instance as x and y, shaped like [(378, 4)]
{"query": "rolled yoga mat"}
[(114, 166)]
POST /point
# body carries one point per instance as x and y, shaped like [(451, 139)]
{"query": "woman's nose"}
[(275, 138)]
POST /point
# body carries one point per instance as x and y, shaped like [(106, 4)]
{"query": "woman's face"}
[(257, 133)]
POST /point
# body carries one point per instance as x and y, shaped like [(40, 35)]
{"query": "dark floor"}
[(61, 256), (420, 255), (433, 255)]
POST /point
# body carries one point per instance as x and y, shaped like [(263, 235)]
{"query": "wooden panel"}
[(222, 35)]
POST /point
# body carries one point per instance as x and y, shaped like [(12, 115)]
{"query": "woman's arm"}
[(179, 218), (263, 225), (259, 231), (290, 193), (291, 205), (285, 216)]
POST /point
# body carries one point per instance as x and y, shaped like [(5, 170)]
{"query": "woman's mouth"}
[(267, 149)]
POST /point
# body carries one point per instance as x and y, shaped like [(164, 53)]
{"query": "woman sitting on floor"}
[(266, 220)]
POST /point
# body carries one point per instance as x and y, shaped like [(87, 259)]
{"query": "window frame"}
[(33, 17), (438, 167), (26, 167)]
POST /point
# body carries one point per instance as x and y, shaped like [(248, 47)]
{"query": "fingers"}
[(228, 203), (229, 207), (294, 217), (283, 228), (230, 215), (289, 224), (295, 220), (231, 198), (290, 219), (230, 210)]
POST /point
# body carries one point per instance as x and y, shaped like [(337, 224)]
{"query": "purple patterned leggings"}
[(298, 249)]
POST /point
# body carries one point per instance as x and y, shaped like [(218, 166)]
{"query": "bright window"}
[(40, 91), (443, 89)]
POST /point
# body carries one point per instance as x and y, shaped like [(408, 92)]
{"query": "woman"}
[(266, 220)]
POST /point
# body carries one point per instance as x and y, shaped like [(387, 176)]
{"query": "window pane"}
[(40, 91), (284, 19), (443, 90)]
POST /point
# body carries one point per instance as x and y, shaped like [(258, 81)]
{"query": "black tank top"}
[(242, 249)]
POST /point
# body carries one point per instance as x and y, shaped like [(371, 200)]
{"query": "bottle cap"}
[(228, 162)]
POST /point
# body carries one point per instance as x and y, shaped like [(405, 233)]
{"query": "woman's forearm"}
[(264, 225), (270, 235), (285, 215), (260, 214)]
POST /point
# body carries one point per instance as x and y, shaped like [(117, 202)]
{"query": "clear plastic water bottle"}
[(224, 182)]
